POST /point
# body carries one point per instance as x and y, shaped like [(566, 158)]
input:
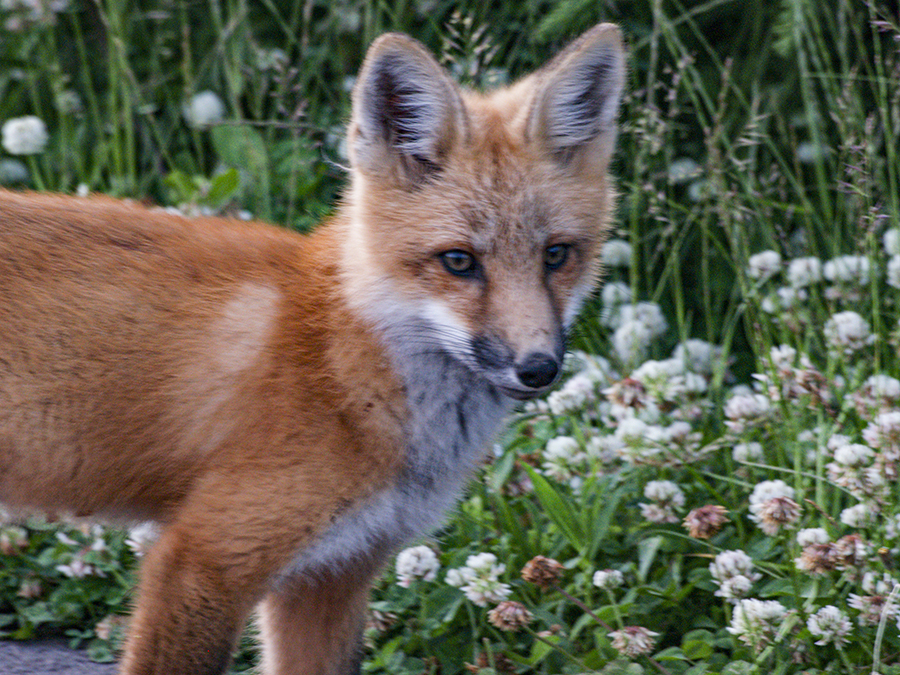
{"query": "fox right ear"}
[(576, 100), (407, 112)]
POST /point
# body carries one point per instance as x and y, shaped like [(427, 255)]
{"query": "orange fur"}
[(290, 409)]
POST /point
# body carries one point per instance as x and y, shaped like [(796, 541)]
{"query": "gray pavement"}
[(48, 657)]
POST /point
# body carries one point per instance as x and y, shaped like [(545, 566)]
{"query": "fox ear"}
[(407, 112), (576, 99)]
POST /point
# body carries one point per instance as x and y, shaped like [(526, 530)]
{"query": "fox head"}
[(475, 220)]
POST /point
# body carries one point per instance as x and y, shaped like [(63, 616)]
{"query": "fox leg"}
[(312, 625)]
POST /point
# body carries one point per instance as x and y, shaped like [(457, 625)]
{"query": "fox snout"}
[(522, 377)]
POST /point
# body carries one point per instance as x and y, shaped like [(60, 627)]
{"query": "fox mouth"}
[(522, 394)]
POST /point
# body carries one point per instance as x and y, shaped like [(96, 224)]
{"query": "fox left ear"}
[(576, 100), (407, 112)]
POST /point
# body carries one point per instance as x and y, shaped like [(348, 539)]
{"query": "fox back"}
[(290, 409)]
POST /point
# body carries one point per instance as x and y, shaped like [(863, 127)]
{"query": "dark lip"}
[(523, 394)]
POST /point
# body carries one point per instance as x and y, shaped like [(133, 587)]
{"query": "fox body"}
[(292, 408)]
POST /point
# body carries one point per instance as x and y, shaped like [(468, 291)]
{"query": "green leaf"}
[(223, 187), (241, 147), (184, 188), (647, 550), (557, 509), (696, 650)]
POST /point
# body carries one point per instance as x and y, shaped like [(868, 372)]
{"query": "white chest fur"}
[(453, 417)]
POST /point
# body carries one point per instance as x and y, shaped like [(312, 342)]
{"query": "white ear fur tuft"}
[(577, 97), (407, 112)]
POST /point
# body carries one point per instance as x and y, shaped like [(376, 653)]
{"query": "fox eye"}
[(555, 256), (459, 263)]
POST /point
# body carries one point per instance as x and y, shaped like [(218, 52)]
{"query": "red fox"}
[(291, 409)]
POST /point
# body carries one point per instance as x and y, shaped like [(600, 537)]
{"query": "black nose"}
[(537, 370)]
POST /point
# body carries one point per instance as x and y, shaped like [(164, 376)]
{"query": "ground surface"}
[(48, 657)]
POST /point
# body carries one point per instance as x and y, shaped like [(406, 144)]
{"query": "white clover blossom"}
[(747, 452), (743, 410), (577, 392), (648, 313), (698, 356), (764, 265), (479, 579), (812, 535), (829, 624), (204, 109), (848, 332), (615, 293), (666, 497), (861, 515), (416, 562), (633, 640), (893, 271), (141, 537), (883, 433), (12, 171), (24, 135), (562, 458), (850, 269), (803, 272), (733, 572), (630, 341), (616, 253), (608, 579), (853, 454), (683, 170), (769, 489), (756, 622), (891, 240)]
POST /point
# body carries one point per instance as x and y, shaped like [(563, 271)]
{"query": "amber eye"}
[(458, 262), (555, 256)]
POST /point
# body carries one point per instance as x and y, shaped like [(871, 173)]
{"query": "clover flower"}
[(705, 521), (747, 452), (650, 314), (417, 562), (803, 272), (616, 253), (872, 607), (562, 458), (778, 512), (817, 558), (698, 356), (630, 341), (756, 622), (666, 497), (853, 269), (893, 272), (883, 433), (608, 579), (733, 572), (542, 572), (24, 135), (812, 535), (763, 266), (878, 393), (848, 332), (479, 579), (633, 640), (891, 241), (141, 538), (830, 625), (746, 410), (683, 170), (204, 109), (859, 516), (573, 396), (510, 616)]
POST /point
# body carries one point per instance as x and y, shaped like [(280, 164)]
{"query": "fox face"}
[(476, 219)]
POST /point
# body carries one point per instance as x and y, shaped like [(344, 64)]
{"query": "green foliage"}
[(748, 126)]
